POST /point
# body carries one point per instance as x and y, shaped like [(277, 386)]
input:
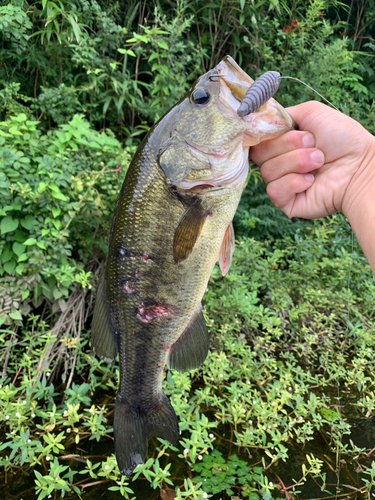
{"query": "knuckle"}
[(266, 171), (257, 154), (273, 194), (294, 139), (302, 160)]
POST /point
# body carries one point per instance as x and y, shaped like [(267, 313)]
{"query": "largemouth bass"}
[(172, 222)]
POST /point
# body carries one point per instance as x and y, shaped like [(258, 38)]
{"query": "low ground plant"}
[(292, 366), (284, 405)]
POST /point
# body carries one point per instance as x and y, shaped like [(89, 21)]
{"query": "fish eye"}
[(200, 96)]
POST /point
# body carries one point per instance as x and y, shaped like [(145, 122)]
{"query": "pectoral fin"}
[(226, 250), (103, 337), (188, 230), (191, 349)]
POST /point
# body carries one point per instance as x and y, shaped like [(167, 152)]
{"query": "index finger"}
[(295, 139)]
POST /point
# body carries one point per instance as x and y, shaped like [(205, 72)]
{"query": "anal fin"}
[(103, 337), (191, 349)]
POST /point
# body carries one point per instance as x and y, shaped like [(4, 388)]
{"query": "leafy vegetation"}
[(275, 410)]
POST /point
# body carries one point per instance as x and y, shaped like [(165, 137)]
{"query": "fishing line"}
[(263, 88), (308, 86)]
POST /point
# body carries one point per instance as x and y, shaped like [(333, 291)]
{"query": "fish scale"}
[(172, 222)]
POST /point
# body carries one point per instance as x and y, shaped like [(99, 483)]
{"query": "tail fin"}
[(132, 428)]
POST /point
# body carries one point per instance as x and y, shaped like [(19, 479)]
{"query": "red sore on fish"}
[(155, 312), (129, 287), (143, 256)]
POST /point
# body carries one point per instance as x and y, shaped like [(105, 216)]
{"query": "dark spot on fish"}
[(122, 252), (155, 312)]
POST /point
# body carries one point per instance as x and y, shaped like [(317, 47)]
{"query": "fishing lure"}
[(263, 89), (260, 92)]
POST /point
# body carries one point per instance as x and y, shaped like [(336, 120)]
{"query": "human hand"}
[(321, 168)]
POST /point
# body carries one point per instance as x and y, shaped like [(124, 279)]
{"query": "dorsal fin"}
[(103, 337)]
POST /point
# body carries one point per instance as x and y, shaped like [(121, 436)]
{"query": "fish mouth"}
[(220, 176), (267, 122), (227, 164)]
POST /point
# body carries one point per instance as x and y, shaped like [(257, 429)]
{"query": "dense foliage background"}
[(81, 82)]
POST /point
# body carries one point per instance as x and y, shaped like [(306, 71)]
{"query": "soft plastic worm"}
[(260, 92)]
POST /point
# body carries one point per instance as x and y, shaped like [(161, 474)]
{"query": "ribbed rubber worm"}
[(259, 93)]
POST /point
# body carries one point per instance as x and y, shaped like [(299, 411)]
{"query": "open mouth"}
[(227, 163), (270, 118), (225, 170)]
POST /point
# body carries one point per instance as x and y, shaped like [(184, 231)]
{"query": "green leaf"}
[(163, 45), (16, 315), (29, 242), (28, 222), (9, 266), (6, 255), (8, 224), (59, 196), (41, 244), (42, 186), (22, 257), (253, 496), (127, 51), (13, 206), (14, 131), (20, 118), (56, 212), (20, 236), (75, 27), (153, 56), (57, 294), (20, 269), (18, 249)]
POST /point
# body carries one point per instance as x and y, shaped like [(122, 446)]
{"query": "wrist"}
[(359, 202)]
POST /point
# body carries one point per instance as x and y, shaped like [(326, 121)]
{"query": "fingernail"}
[(317, 157), (309, 177), (308, 140)]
